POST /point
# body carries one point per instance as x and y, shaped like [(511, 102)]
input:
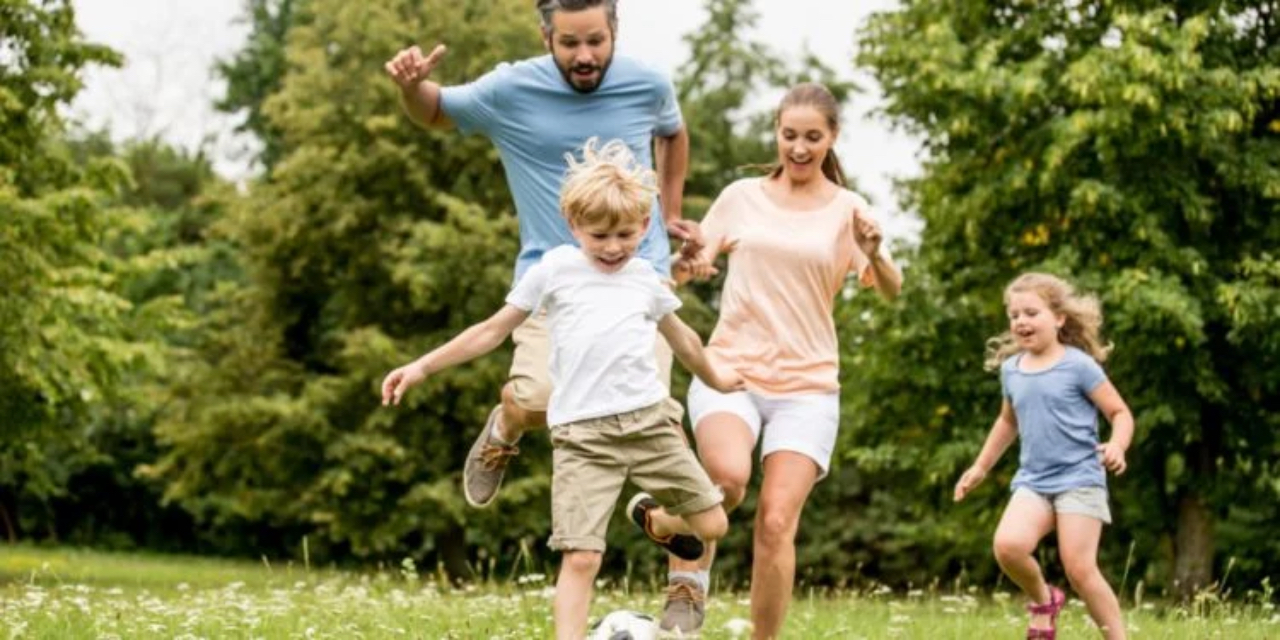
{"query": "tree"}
[(256, 71), (1132, 147), (368, 242), (63, 325)]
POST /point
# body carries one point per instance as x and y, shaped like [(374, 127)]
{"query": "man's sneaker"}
[(685, 609), (486, 463), (681, 546)]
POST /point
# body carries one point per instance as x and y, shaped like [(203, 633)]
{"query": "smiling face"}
[(581, 43), (609, 247), (804, 138), (1032, 323)]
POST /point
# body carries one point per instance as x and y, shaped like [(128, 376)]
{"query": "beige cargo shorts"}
[(594, 458)]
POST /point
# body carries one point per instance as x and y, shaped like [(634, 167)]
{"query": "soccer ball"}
[(625, 625)]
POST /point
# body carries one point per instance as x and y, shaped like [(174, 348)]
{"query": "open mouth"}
[(611, 262)]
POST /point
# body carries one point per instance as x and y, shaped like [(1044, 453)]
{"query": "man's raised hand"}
[(409, 67)]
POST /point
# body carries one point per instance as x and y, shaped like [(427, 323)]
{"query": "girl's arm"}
[(687, 346), (1109, 402), (1003, 433), (475, 341)]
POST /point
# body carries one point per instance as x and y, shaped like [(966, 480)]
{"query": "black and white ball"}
[(625, 625)]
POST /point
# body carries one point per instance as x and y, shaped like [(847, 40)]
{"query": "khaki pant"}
[(593, 459), (530, 375)]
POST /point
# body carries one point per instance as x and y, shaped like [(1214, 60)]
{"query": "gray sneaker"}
[(685, 610), (486, 463)]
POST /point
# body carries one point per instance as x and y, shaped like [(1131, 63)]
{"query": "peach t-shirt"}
[(776, 325)]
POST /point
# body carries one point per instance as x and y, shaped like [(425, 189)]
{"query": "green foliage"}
[(256, 71), (42, 56), (718, 88), (65, 342), (369, 242), (1133, 148), (163, 331)]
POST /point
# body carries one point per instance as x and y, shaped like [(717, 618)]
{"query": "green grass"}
[(62, 593)]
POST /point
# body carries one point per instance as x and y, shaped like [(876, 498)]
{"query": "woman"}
[(793, 237)]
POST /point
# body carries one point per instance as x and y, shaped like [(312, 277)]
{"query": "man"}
[(535, 111)]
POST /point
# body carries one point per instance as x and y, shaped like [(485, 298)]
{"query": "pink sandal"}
[(1057, 599)]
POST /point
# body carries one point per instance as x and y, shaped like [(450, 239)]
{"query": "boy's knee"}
[(581, 562)]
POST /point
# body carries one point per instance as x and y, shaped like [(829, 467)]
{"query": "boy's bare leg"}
[(709, 525), (516, 420), (494, 447), (578, 571)]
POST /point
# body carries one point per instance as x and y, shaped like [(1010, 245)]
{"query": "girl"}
[(1054, 386), (796, 236)]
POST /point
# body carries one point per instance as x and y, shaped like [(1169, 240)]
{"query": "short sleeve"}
[(1089, 373), (528, 293), (664, 301), (1004, 379), (718, 219), (669, 118), (475, 106)]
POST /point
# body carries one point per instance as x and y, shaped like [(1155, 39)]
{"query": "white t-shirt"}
[(603, 330)]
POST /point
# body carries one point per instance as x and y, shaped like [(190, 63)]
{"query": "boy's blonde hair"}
[(607, 187), (1082, 315)]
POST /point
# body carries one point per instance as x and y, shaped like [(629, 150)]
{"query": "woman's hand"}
[(866, 232)]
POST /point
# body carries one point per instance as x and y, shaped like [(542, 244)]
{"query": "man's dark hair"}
[(547, 8)]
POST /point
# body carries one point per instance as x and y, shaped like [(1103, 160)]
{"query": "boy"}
[(606, 410)]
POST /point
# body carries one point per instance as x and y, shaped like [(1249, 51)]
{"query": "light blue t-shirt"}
[(1057, 422), (534, 118)]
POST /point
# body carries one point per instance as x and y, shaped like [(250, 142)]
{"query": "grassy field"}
[(62, 593)]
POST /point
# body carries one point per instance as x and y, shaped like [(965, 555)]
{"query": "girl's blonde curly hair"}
[(1082, 314)]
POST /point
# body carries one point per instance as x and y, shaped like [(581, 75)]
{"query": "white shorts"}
[(806, 424)]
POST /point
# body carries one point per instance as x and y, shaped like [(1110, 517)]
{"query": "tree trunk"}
[(453, 554), (1193, 546), (8, 524)]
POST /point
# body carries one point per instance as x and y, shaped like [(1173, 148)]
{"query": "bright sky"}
[(167, 87)]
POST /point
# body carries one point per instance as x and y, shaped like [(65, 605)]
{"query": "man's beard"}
[(600, 71)]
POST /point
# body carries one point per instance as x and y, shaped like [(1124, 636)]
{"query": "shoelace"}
[(493, 456), (683, 592)]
